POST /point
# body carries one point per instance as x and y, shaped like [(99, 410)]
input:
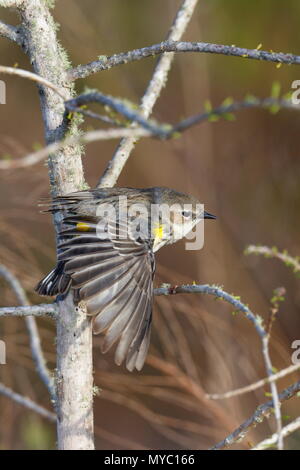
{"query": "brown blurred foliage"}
[(246, 172)]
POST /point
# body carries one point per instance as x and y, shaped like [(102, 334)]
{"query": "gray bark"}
[(74, 338)]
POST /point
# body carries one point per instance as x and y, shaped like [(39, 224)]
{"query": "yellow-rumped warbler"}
[(106, 256)]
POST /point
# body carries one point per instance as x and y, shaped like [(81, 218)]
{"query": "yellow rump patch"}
[(82, 227)]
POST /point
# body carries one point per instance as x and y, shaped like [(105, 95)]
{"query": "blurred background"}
[(246, 172)]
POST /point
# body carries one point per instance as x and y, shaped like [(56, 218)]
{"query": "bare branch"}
[(11, 32), (34, 77), (41, 310), (105, 63), (11, 3), (261, 412), (91, 136), (165, 131), (74, 372), (274, 391), (286, 431), (27, 402), (151, 95), (35, 342), (288, 260), (117, 105), (260, 383), (247, 103), (255, 319)]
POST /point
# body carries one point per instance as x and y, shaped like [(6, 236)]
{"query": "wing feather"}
[(112, 274), (125, 319)]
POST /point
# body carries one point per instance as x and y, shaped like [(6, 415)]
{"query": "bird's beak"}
[(207, 215)]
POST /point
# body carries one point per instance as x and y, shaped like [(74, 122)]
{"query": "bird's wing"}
[(114, 277)]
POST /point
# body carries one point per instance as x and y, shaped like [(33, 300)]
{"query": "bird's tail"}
[(56, 282)]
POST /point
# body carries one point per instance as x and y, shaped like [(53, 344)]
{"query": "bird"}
[(106, 256)]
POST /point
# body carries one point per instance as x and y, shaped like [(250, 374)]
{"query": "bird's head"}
[(175, 214)]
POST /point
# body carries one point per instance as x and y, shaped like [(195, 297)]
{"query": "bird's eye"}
[(187, 214)]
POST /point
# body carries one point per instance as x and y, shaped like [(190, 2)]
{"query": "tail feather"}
[(56, 282)]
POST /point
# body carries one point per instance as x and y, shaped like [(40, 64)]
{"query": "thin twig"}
[(105, 63), (288, 260), (91, 136), (33, 77), (164, 131), (286, 431), (35, 342), (167, 131), (260, 383), (11, 3), (157, 82), (27, 402), (274, 390), (41, 310), (261, 412), (117, 105), (255, 319), (247, 103)]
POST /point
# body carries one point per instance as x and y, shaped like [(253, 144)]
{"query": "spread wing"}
[(113, 275)]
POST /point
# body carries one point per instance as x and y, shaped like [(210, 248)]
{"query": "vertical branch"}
[(74, 339), (74, 379), (157, 82), (274, 391)]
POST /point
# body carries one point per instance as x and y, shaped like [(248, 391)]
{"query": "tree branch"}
[(247, 103), (105, 63), (74, 367), (91, 136), (274, 391), (219, 293), (260, 383), (286, 431), (288, 260), (35, 342), (151, 95), (33, 77), (119, 106), (74, 376), (11, 32), (41, 310), (255, 319), (27, 402), (165, 131), (12, 3), (261, 412)]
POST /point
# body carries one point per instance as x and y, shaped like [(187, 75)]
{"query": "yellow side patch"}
[(158, 232), (82, 227)]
